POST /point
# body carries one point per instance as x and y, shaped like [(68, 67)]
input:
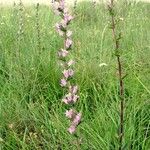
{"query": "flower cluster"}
[(75, 118), (71, 97)]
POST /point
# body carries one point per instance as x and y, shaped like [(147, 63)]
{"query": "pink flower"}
[(63, 82), (71, 72), (65, 10), (70, 113), (63, 53), (70, 98), (75, 123), (68, 43), (67, 18), (59, 29), (68, 73), (77, 119), (75, 98), (72, 129), (62, 4), (73, 89), (60, 26), (63, 25), (59, 6), (55, 7), (57, 26), (65, 101)]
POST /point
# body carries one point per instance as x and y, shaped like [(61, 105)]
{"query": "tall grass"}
[(31, 113)]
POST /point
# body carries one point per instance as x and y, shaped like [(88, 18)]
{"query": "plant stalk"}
[(121, 84)]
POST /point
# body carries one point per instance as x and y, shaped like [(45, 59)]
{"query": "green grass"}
[(31, 112)]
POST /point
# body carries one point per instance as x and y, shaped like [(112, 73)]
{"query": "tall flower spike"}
[(71, 97)]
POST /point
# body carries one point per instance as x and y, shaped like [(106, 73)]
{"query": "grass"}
[(31, 111)]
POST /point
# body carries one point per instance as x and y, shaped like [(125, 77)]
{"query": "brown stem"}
[(121, 84), (38, 29)]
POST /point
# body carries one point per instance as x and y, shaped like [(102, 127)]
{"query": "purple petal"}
[(68, 43), (70, 113), (63, 53), (77, 119), (73, 89), (72, 129), (63, 82)]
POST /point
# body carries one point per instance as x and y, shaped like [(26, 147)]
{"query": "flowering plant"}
[(71, 97)]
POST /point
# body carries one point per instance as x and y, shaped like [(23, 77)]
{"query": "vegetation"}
[(31, 110)]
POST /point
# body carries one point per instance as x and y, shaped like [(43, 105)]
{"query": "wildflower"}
[(68, 73), (63, 53), (70, 113), (63, 82), (75, 98), (67, 18), (57, 26), (63, 25), (72, 129), (55, 8), (70, 98), (75, 123), (68, 43), (73, 89), (59, 29), (61, 5), (77, 119)]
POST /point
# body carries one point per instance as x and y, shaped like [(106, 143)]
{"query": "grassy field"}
[(31, 112), (47, 2)]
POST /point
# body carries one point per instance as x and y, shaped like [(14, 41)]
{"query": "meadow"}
[(31, 111)]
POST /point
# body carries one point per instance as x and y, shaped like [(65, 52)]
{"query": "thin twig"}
[(121, 84), (38, 29)]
